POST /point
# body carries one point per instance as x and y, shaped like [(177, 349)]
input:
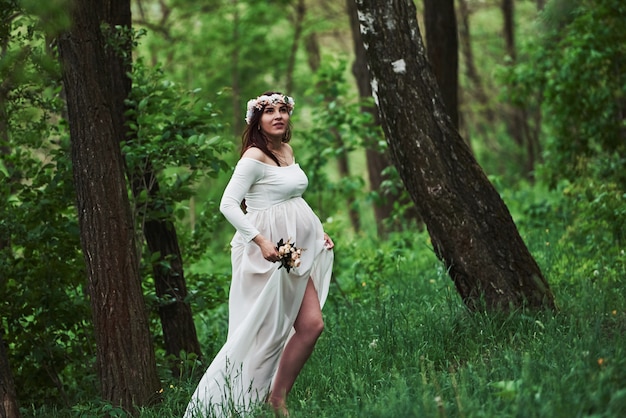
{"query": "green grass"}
[(399, 343), (432, 358)]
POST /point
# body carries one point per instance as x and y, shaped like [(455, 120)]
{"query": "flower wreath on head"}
[(265, 100)]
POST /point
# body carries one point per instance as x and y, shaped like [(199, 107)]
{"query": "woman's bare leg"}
[(308, 326)]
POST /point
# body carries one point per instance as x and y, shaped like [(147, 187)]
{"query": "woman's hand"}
[(268, 249), (328, 243)]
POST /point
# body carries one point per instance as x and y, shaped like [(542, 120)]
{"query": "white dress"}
[(264, 300)]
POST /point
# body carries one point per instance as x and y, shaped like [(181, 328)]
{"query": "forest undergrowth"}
[(399, 342)]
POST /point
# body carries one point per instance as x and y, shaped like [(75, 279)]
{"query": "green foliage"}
[(566, 219), (45, 311), (52, 15), (392, 189), (239, 48), (176, 140), (576, 70), (585, 88), (336, 129), (46, 315), (174, 135), (398, 341)]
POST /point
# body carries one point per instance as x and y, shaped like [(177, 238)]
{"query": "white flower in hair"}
[(264, 100)]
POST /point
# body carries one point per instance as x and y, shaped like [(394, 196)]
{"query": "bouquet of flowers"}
[(289, 254)]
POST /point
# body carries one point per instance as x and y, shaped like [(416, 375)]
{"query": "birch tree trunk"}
[(471, 229)]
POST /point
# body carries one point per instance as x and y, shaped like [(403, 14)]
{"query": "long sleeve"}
[(247, 172)]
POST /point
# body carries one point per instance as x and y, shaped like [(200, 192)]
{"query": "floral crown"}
[(264, 100)]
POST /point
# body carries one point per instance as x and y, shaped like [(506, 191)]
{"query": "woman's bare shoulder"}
[(254, 153)]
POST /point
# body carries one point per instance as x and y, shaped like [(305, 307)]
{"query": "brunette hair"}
[(253, 136)]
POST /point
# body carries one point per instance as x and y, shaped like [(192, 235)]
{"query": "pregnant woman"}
[(275, 313)]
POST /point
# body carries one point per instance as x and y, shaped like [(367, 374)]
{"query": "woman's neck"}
[(274, 144)]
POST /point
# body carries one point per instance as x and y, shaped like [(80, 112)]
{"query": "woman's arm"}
[(246, 173)]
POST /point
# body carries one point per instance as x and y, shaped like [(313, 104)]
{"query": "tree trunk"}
[(541, 4), (300, 12), (8, 403), (179, 331), (470, 226), (512, 118), (471, 72), (313, 51), (443, 51), (125, 357), (517, 118), (376, 161), (508, 13)]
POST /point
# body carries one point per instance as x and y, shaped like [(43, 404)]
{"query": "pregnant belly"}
[(290, 219)]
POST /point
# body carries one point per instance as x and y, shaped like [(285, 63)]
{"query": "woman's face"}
[(275, 120)]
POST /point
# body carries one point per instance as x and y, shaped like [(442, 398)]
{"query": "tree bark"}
[(541, 4), (376, 161), (471, 72), (125, 357), (508, 12), (179, 331), (313, 51), (8, 397), (471, 229), (300, 12), (517, 118), (443, 51)]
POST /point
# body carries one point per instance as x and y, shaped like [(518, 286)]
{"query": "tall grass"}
[(414, 351), (399, 343)]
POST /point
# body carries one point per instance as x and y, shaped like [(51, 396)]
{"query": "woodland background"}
[(541, 102)]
